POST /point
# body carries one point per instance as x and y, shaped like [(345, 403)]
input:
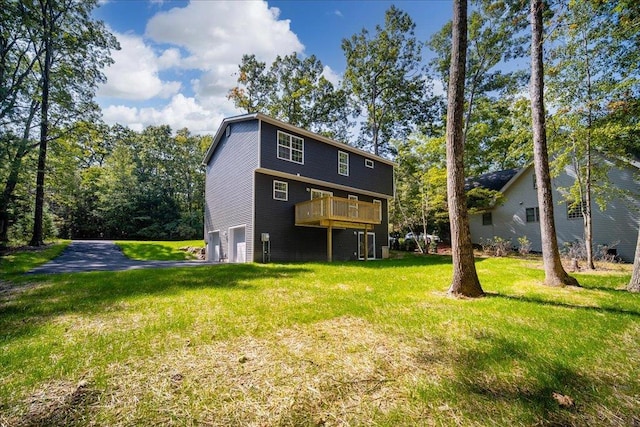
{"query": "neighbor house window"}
[(290, 148), (574, 210), (280, 190), (533, 214), (487, 219), (368, 163), (343, 163)]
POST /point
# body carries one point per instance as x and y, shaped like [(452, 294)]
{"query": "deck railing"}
[(330, 208)]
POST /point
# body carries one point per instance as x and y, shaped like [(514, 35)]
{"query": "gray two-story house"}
[(276, 192)]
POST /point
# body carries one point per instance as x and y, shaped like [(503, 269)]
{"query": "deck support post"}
[(330, 243), (366, 243)]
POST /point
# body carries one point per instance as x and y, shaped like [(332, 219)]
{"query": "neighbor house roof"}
[(492, 180)]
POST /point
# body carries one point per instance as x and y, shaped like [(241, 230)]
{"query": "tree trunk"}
[(465, 279), (634, 283), (38, 235), (555, 275)]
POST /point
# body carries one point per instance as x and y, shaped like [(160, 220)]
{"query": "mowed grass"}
[(158, 251), (375, 343)]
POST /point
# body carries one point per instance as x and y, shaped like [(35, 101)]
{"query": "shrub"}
[(496, 246), (525, 245)]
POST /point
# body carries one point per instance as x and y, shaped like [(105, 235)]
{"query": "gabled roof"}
[(492, 180), (259, 116)]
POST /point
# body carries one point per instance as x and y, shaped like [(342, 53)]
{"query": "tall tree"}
[(75, 48), (385, 80), (495, 37), (465, 278), (294, 90), (585, 80), (254, 86), (555, 275)]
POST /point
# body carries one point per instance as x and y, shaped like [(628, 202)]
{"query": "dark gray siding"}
[(321, 162), (229, 184), (292, 243)]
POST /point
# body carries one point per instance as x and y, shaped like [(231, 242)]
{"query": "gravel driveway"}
[(100, 255)]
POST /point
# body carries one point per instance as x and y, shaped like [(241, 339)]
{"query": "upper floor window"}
[(290, 148), (317, 194), (280, 190), (343, 163), (574, 210), (487, 218), (368, 163), (533, 214)]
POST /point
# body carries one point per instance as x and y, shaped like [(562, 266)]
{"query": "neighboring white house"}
[(615, 227)]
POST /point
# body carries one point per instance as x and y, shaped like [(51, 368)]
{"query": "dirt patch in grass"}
[(58, 404), (335, 372)]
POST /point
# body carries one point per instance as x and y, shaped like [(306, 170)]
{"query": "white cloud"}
[(216, 35), (216, 32), (134, 74), (179, 113), (331, 75), (204, 42)]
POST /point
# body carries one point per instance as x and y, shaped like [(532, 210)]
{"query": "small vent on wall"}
[(228, 131)]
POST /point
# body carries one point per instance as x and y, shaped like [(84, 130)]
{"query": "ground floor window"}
[(487, 218), (280, 190), (533, 214)]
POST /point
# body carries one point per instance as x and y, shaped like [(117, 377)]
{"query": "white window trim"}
[(289, 148), (322, 193), (285, 191), (341, 163), (369, 163)]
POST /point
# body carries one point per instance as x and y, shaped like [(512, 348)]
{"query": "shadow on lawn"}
[(473, 383), (22, 312), (540, 301), (409, 260)]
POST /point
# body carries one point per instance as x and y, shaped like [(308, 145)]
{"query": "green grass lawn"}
[(158, 251), (375, 343)]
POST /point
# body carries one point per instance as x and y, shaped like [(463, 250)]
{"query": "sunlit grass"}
[(158, 250), (21, 261), (375, 343)]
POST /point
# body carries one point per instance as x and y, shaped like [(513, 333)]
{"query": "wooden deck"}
[(337, 212)]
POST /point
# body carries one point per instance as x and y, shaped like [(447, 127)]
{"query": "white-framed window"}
[(316, 194), (280, 190), (343, 163), (368, 163), (290, 148), (379, 203)]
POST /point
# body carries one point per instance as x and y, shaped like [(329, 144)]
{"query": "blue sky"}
[(178, 58)]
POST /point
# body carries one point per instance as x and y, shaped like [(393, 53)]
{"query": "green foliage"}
[(496, 130), (293, 90), (156, 346), (384, 78)]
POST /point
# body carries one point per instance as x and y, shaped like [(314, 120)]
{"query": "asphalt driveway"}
[(100, 255)]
